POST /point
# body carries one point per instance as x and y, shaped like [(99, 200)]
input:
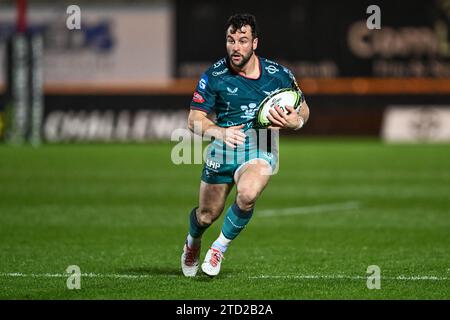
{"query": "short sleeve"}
[(204, 97), (292, 82)]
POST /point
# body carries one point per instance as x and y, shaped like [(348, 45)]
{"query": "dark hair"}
[(237, 21)]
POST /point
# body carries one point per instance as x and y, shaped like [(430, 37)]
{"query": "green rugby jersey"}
[(235, 98)]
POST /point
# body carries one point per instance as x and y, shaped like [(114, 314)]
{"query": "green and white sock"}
[(194, 237), (221, 243), (235, 221)]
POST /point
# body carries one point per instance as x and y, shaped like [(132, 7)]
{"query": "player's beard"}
[(244, 61)]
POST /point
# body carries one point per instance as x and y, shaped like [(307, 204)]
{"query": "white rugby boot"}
[(189, 260), (213, 260)]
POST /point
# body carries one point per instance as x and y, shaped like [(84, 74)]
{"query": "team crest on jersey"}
[(198, 97), (249, 111)]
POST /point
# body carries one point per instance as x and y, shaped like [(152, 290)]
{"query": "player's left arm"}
[(303, 113), (294, 120)]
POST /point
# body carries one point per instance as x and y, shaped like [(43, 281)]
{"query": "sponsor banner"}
[(140, 118), (416, 123), (127, 45), (324, 38), (109, 126), (113, 118)]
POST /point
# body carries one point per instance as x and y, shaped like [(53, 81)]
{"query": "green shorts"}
[(222, 163)]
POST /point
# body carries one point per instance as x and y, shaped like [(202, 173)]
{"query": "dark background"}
[(297, 30)]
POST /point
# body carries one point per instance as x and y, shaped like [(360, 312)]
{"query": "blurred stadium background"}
[(129, 73), (103, 101)]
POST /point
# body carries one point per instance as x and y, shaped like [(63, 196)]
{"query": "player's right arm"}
[(202, 104), (199, 123)]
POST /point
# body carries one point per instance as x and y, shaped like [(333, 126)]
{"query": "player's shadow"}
[(167, 271)]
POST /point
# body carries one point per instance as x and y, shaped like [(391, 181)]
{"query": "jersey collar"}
[(235, 73)]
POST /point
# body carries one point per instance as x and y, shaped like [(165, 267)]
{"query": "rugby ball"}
[(282, 98)]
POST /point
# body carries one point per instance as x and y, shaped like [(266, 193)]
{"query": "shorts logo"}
[(212, 164), (268, 155), (198, 97), (271, 69)]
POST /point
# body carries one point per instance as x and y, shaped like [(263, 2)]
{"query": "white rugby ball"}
[(282, 98)]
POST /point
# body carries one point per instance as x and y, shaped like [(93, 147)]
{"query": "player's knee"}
[(246, 198), (207, 216)]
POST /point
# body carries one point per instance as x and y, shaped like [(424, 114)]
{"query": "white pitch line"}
[(345, 277), (259, 277), (331, 207), (87, 275)]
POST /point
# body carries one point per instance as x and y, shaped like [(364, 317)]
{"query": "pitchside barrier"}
[(24, 107), (145, 117)]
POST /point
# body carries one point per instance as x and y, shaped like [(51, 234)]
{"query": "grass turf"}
[(120, 212)]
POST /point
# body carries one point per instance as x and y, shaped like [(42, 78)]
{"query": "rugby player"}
[(233, 88)]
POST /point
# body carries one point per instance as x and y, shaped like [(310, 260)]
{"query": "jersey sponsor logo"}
[(271, 69), (249, 111), (198, 97), (270, 92), (203, 82), (270, 61), (219, 63), (218, 73), (232, 92)]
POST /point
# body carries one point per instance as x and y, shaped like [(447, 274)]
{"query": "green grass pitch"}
[(120, 212)]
